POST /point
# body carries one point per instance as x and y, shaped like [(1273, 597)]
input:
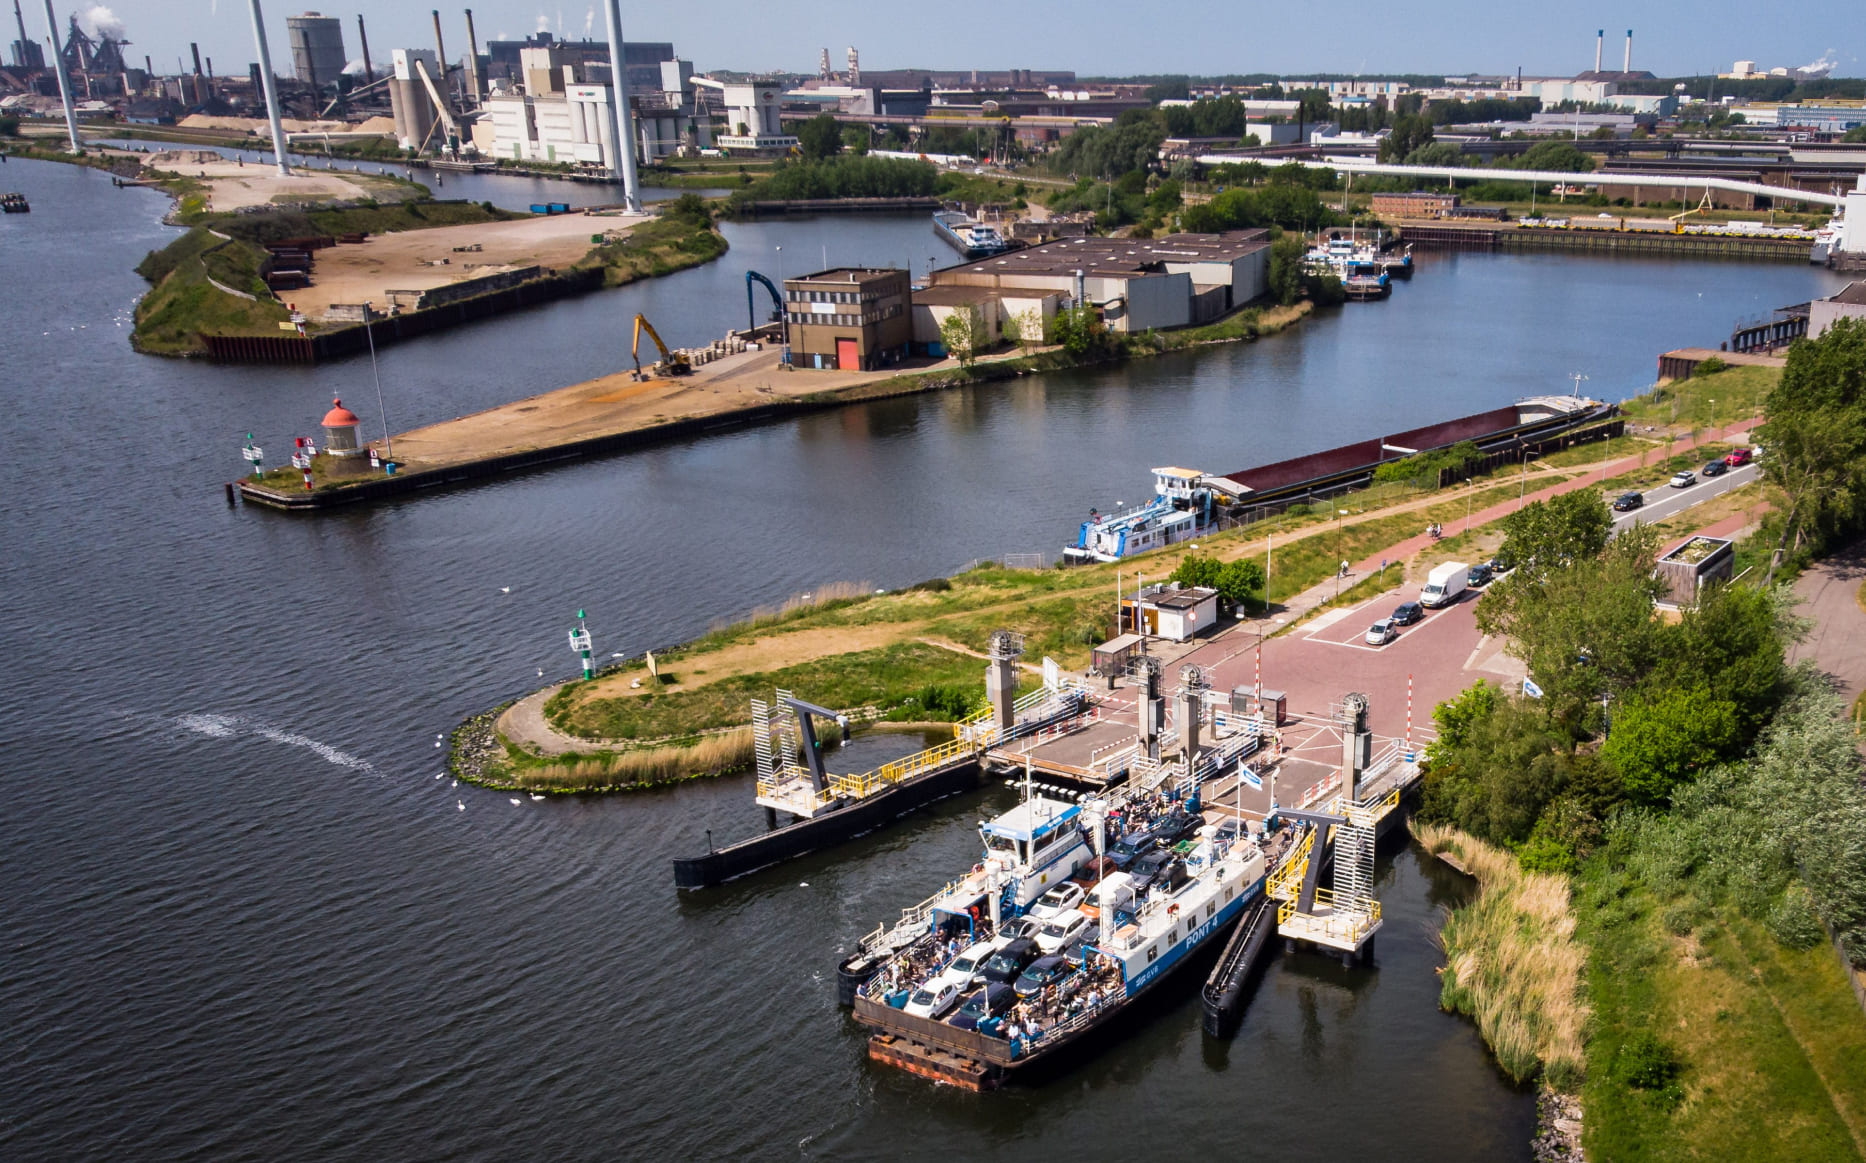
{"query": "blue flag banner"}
[(1249, 776), (1531, 689)]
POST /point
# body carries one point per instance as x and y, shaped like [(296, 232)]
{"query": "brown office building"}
[(1420, 204), (849, 318)]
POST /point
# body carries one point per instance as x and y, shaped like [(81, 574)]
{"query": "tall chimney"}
[(472, 61), (440, 51), (25, 40), (369, 74), (200, 85), (1628, 66), (1600, 42)]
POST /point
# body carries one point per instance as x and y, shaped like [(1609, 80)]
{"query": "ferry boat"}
[(1180, 510), (1827, 240), (970, 238), (14, 203), (1045, 941)]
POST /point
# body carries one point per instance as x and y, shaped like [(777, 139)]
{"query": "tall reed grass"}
[(1513, 964), (823, 595), (711, 755)]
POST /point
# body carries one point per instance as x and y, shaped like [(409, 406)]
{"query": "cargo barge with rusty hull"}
[(1045, 943)]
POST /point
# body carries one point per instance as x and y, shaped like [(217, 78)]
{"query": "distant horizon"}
[(1200, 39)]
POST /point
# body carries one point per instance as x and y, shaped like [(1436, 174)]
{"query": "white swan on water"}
[(459, 805)]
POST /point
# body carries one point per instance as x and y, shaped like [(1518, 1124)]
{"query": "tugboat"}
[(14, 203), (1045, 941)]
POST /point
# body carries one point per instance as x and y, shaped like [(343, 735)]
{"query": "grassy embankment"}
[(913, 654), (1712, 1040), (682, 235), (182, 304)]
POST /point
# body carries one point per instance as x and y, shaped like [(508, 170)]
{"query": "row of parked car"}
[(1443, 586), (1045, 945), (1685, 478)]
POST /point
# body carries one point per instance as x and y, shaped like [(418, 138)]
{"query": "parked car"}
[(1684, 478), (1501, 564), (1057, 901), (1381, 632), (1479, 575), (1060, 933), (1147, 868), (969, 965), (1740, 457), (934, 998), (1715, 468), (1044, 971), (993, 1000), (1406, 613), (1009, 963), (1627, 502)]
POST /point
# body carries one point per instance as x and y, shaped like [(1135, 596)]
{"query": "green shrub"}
[(1793, 920), (1708, 367), (1645, 1063)]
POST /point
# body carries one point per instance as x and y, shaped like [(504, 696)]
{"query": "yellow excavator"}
[(672, 363)]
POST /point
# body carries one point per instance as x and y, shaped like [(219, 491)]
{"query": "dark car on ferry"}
[(994, 1000), (1627, 502), (1009, 963), (1406, 613), (1043, 973)]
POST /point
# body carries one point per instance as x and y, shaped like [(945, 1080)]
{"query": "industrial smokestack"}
[(199, 85), (1600, 43), (24, 40), (369, 74), (440, 51), (472, 61), (196, 50), (1628, 66)]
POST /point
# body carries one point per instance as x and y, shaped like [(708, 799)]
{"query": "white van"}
[(1445, 584)]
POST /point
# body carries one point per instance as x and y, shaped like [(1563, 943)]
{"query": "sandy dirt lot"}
[(407, 260), (232, 185), (617, 403)]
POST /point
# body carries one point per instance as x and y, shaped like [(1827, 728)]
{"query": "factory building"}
[(848, 318), (409, 99), (317, 47), (752, 116), (555, 114), (1136, 284)]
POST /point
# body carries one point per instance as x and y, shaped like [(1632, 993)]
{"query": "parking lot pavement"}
[(1318, 663)]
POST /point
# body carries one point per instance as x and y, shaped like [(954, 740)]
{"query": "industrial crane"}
[(751, 311), (1678, 225), (672, 363)]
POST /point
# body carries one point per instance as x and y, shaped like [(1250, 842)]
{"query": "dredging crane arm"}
[(641, 325), (777, 300), (805, 712)]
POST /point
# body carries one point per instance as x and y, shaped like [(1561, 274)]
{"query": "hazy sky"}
[(1671, 37)]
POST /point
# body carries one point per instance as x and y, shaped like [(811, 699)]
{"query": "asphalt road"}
[(1665, 501)]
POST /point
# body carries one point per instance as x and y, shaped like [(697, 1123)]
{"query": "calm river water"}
[(248, 922)]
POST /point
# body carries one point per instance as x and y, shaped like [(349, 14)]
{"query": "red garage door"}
[(847, 358)]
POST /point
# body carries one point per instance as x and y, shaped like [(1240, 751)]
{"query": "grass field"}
[(1712, 1041)]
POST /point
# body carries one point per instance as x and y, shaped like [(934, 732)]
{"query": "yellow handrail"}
[(1285, 880)]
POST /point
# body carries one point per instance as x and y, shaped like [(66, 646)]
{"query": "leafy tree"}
[(1079, 330), (1553, 155), (9, 127), (1440, 154), (1658, 743), (1237, 582), (1815, 433), (963, 333), (1289, 281), (819, 138), (855, 138), (1409, 133), (1169, 89), (1732, 641), (1546, 535), (1586, 630), (1132, 143), (1504, 765)]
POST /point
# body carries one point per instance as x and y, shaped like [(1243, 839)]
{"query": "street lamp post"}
[(369, 330)]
